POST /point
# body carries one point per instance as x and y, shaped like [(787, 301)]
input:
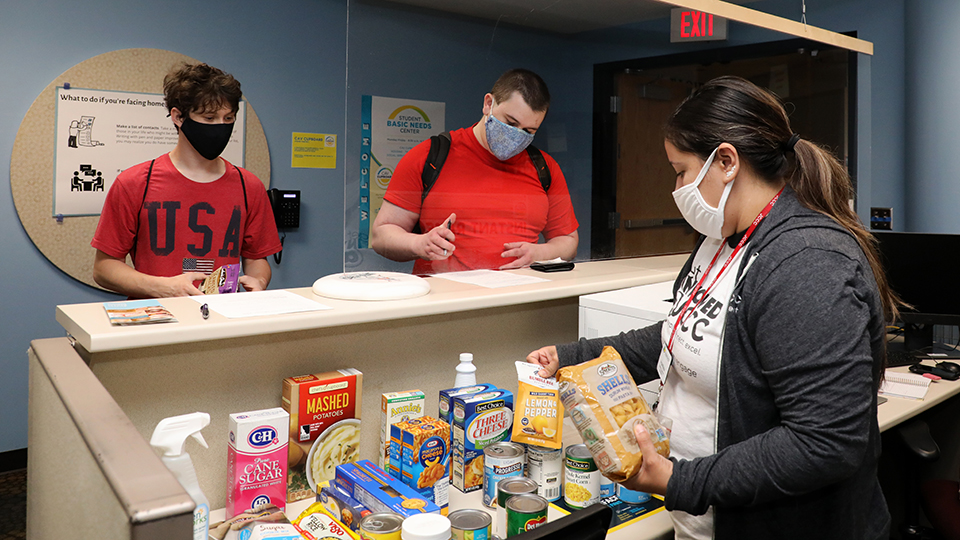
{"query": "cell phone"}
[(563, 266)]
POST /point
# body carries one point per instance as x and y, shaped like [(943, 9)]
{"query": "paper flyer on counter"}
[(99, 133), (390, 128)]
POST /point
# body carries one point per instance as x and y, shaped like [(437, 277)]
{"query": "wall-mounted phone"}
[(286, 212), (286, 207)]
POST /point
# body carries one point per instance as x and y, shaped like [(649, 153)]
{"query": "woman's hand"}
[(548, 360), (655, 470)]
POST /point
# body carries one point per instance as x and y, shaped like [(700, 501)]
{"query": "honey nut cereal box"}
[(324, 427), (397, 407), (257, 460), (479, 420), (604, 404), (426, 459)]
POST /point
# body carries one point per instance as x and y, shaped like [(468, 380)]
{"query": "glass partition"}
[(414, 71)]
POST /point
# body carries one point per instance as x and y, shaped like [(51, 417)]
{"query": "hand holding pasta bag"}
[(603, 401)]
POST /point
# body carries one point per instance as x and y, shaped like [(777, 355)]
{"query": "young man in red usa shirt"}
[(188, 212)]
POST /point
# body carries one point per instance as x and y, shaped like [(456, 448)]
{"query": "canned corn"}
[(524, 513), (581, 486)]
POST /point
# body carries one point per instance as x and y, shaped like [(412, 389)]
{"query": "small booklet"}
[(904, 385), (134, 312)]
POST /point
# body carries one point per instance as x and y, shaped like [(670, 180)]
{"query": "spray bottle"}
[(169, 437)]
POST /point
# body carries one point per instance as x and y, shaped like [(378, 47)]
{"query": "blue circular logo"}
[(262, 437), (260, 501)]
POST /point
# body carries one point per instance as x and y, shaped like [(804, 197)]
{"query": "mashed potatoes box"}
[(324, 427)]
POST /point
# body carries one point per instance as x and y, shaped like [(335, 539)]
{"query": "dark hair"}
[(200, 88), (753, 120), (530, 86)]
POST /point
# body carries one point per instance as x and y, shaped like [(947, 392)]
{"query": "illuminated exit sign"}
[(690, 25)]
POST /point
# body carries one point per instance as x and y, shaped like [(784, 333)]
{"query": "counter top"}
[(88, 324)]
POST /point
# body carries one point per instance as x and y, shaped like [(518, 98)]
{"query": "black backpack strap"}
[(243, 188), (136, 232), (439, 148), (536, 156)]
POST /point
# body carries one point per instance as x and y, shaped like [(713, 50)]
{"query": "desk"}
[(897, 410)]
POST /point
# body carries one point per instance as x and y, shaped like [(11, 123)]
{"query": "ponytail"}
[(822, 184)]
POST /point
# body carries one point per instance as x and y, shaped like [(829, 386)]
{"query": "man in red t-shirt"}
[(188, 212), (487, 208)]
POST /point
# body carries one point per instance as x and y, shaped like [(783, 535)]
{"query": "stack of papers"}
[(904, 385)]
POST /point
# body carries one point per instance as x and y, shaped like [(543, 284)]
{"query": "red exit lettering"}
[(696, 24)]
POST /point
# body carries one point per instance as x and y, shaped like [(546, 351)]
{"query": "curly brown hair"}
[(200, 88)]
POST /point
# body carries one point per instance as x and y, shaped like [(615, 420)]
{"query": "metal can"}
[(500, 460), (524, 513), (581, 486), (382, 526), (506, 488), (632, 497), (545, 467), (607, 487), (470, 524)]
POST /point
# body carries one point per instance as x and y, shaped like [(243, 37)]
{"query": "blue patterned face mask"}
[(505, 141)]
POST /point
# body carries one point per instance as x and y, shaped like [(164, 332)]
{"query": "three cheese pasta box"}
[(479, 420), (324, 427), (380, 492)]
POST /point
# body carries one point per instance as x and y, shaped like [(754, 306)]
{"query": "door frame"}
[(604, 188)]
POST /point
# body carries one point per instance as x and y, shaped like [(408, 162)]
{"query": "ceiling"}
[(561, 16)]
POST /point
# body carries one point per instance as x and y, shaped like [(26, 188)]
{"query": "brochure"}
[(134, 312)]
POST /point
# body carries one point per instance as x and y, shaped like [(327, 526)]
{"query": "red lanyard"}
[(743, 241)]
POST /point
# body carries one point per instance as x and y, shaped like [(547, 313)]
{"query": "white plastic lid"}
[(371, 286), (425, 527)]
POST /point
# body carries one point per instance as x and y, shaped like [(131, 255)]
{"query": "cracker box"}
[(324, 427), (379, 491), (479, 420), (446, 397), (397, 407), (257, 460), (426, 459)]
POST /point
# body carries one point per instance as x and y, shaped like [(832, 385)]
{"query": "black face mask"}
[(208, 140)]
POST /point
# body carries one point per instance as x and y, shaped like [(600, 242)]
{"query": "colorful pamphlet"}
[(134, 312)]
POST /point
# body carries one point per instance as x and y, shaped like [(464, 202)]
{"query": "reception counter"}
[(222, 366)]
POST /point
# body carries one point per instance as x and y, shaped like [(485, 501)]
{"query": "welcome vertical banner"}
[(390, 128)]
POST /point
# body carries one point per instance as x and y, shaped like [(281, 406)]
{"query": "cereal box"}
[(379, 491), (479, 420), (397, 407), (324, 427), (426, 459), (257, 460), (446, 397)]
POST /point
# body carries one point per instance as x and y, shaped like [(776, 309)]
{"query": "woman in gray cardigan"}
[(771, 357)]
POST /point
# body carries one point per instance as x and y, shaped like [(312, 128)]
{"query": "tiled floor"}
[(13, 505)]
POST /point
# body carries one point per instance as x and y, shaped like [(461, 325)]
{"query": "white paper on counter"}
[(255, 304), (490, 279)]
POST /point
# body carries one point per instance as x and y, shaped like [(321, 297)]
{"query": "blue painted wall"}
[(291, 58)]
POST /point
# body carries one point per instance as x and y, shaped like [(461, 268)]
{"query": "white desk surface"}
[(88, 323), (897, 410)]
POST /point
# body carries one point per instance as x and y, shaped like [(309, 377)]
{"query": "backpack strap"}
[(439, 149), (136, 232), (243, 188), (536, 156)]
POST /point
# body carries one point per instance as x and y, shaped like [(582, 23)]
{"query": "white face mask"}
[(707, 220)]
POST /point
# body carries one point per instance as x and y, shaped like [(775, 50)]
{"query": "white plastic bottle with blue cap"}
[(466, 371), (169, 437)]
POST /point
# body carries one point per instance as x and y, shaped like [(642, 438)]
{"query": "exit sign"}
[(690, 25)]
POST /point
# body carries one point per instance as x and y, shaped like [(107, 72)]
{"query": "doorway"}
[(633, 209)]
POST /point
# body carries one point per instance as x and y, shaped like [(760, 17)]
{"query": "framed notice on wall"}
[(99, 133), (390, 128)]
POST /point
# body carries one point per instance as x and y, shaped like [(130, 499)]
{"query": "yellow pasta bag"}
[(604, 403), (538, 413)]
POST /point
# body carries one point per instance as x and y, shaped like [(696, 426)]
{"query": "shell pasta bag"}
[(604, 404)]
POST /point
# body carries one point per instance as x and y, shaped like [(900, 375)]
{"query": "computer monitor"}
[(588, 524), (921, 268)]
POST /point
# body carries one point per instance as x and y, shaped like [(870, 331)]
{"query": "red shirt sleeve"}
[(117, 227), (560, 216), (260, 238), (406, 186)]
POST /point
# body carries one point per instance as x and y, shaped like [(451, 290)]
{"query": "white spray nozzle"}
[(171, 433)]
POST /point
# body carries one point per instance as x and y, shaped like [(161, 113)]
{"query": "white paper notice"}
[(490, 279), (255, 304)]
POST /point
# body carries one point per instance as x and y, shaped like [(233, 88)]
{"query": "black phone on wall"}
[(286, 207)]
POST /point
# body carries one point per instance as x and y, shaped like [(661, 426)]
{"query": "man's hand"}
[(548, 360), (251, 283), (181, 285), (437, 244), (525, 253), (655, 470)]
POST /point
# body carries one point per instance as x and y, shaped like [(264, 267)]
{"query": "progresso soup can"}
[(581, 487), (382, 526), (470, 524), (500, 460), (525, 513)]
